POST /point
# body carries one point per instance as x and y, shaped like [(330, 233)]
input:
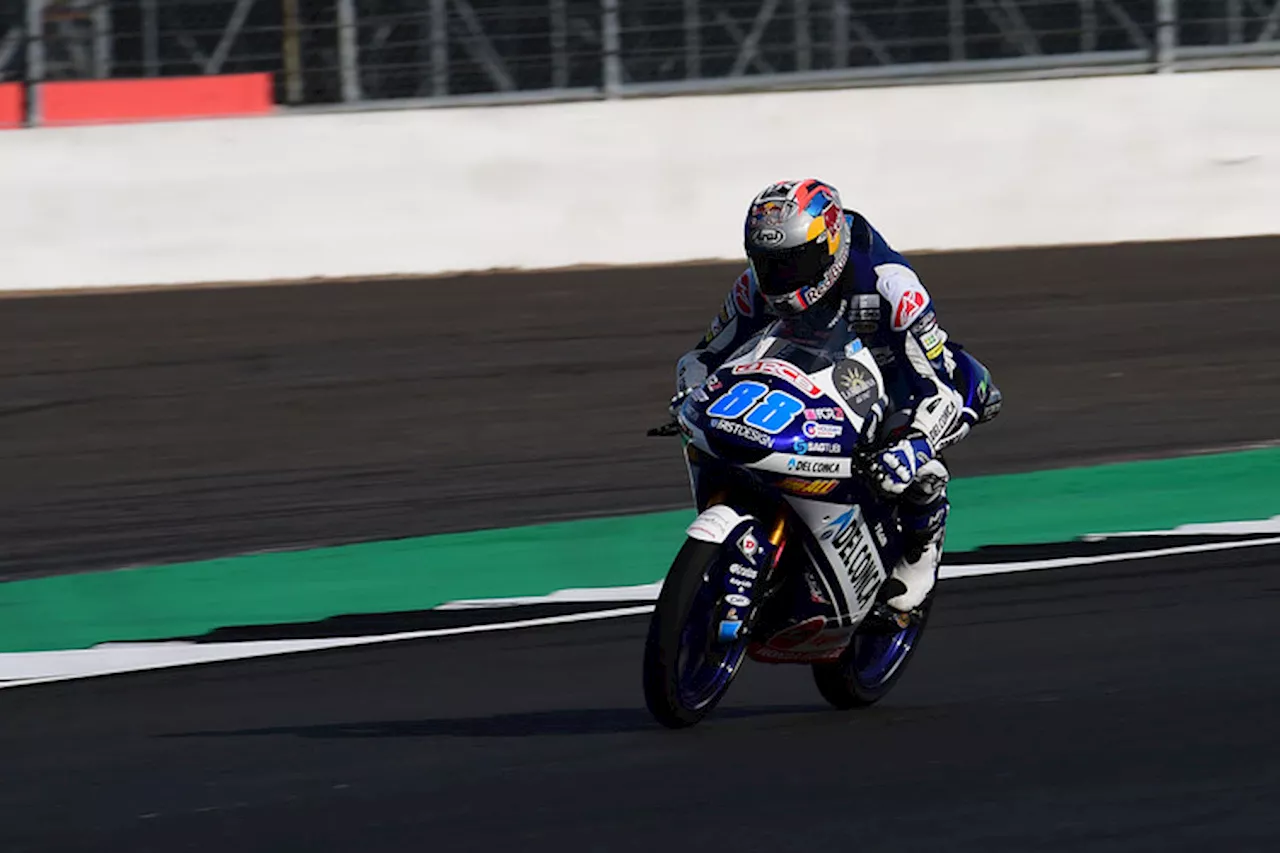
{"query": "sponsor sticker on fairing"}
[(829, 413), (742, 431), (737, 600), (855, 381), (823, 447), (803, 487), (782, 370), (749, 547), (818, 466), (812, 429), (862, 572), (743, 571), (804, 466)]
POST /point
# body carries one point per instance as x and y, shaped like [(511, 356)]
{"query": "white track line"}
[(649, 591), (20, 669), (1219, 528), (23, 668), (978, 569)]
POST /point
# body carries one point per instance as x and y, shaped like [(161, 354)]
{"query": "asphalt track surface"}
[(1126, 707), (160, 426)]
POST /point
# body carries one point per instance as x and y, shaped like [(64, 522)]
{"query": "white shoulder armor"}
[(906, 295)]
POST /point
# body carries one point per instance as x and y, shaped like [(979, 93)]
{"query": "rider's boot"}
[(924, 523)]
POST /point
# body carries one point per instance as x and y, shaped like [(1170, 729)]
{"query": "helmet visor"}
[(783, 271)]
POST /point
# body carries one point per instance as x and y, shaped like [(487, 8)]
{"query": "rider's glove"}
[(896, 466), (690, 371), (674, 406)]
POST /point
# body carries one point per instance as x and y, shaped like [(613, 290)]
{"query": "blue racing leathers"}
[(936, 390)]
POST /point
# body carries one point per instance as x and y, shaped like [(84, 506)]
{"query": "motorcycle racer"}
[(813, 261)]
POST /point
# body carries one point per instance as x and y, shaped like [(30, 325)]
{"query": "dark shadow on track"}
[(567, 722), (1125, 708)]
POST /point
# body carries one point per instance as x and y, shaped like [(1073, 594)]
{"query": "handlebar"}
[(668, 429)]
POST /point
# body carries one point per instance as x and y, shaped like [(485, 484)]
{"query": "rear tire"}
[(860, 677), (665, 691)]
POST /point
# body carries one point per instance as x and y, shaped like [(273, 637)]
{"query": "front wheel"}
[(872, 664), (688, 666)]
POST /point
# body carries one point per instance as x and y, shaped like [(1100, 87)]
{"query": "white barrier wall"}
[(660, 180)]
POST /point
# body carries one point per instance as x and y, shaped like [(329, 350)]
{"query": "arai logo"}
[(768, 237)]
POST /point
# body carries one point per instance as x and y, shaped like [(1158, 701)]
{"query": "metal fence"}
[(359, 51)]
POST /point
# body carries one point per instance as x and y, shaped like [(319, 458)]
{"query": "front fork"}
[(753, 546), (755, 551)]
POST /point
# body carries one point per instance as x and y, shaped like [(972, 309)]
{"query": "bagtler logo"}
[(854, 552)]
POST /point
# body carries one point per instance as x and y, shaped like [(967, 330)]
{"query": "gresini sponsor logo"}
[(742, 431), (774, 367)]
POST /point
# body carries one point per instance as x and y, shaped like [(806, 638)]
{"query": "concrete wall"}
[(661, 180)]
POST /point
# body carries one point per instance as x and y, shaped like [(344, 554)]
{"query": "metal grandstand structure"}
[(419, 52)]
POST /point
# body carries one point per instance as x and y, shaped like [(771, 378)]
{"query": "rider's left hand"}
[(673, 406), (896, 465)]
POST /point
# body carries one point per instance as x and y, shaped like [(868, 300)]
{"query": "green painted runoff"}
[(186, 599)]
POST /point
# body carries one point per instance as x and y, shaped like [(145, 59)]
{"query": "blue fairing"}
[(748, 416)]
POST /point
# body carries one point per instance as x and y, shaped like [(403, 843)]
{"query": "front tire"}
[(871, 665), (686, 670)]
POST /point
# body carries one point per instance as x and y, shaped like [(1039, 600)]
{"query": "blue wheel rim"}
[(877, 656), (705, 666)]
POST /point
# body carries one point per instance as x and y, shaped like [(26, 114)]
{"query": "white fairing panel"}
[(715, 524), (853, 561), (839, 467)]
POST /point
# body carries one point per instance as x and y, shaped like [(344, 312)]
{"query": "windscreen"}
[(809, 344)]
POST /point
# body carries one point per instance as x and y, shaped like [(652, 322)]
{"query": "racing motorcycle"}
[(793, 542)]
